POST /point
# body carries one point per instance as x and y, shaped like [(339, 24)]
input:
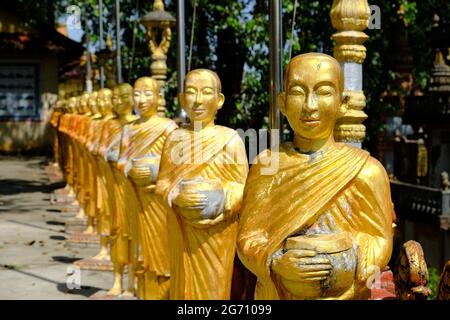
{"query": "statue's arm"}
[(375, 239), (234, 188)]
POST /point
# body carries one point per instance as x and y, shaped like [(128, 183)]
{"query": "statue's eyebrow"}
[(325, 83), (294, 83)]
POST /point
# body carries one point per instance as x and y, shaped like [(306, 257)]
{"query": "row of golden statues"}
[(176, 206)]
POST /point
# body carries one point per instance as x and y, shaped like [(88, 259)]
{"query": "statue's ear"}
[(160, 99), (221, 101), (282, 102), (344, 105)]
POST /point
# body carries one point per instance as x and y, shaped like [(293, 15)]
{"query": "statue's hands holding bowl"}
[(190, 204), (301, 266), (141, 175)]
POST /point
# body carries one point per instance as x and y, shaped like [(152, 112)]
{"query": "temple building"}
[(415, 150), (32, 61)]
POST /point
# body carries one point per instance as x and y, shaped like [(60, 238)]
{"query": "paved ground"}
[(33, 260)]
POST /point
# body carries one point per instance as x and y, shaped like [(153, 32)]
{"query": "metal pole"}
[(181, 53), (275, 58), (181, 45), (101, 43), (88, 56), (118, 60)]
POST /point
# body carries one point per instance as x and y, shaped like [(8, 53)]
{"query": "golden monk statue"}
[(78, 136), (105, 107), (202, 176), (123, 222), (323, 223), (91, 171), (143, 142)]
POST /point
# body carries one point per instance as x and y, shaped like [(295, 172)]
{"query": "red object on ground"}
[(386, 288)]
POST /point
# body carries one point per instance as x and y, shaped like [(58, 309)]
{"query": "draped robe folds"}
[(124, 223), (144, 139), (201, 256), (54, 121), (91, 167), (103, 212), (106, 198), (341, 189), (68, 148), (81, 156)]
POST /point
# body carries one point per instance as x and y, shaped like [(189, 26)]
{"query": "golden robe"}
[(340, 189), (54, 122), (105, 197), (145, 139), (202, 255), (123, 219)]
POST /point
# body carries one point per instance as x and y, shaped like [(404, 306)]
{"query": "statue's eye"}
[(208, 91), (148, 93), (190, 91), (296, 90), (325, 91)]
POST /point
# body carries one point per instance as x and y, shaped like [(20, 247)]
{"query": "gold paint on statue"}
[(319, 226), (202, 177), (123, 221), (411, 276), (105, 107), (350, 18), (142, 148)]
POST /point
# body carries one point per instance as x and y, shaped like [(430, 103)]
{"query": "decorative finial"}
[(158, 5)]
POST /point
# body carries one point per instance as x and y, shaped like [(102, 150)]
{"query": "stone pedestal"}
[(54, 173), (94, 264), (61, 198), (80, 240), (386, 288), (101, 295), (76, 224), (70, 211)]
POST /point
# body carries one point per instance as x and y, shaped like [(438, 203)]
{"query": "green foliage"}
[(231, 37), (433, 282)]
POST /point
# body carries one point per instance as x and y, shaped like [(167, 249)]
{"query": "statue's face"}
[(84, 103), (123, 99), (146, 96), (99, 102), (104, 102), (201, 98), (72, 103), (92, 102), (312, 99), (107, 102)]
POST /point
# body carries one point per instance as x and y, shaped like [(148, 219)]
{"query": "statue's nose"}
[(311, 103)]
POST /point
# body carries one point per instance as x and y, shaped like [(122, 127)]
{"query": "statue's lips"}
[(310, 122), (199, 110)]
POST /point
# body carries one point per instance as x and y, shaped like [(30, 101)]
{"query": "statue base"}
[(384, 289), (95, 264), (81, 240), (54, 173), (70, 211), (61, 199), (102, 295), (76, 224)]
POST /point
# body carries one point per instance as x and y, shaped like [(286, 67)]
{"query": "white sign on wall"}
[(18, 92)]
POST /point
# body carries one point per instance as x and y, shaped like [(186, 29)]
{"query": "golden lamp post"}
[(158, 22)]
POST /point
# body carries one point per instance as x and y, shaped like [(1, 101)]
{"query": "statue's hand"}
[(142, 176), (191, 200), (301, 265)]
